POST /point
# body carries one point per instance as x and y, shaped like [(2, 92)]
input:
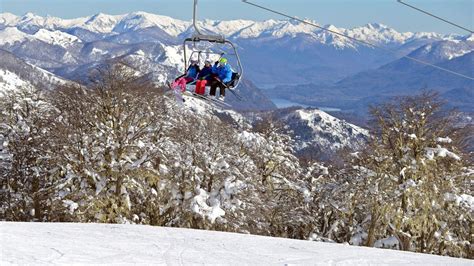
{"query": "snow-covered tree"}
[(26, 156), (282, 194), (410, 188), (202, 173), (223, 178), (110, 135)]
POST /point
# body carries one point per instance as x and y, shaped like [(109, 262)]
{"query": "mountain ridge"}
[(104, 23)]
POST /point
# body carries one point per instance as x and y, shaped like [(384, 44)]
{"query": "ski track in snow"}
[(61, 243)]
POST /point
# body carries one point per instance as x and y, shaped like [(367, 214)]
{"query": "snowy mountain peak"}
[(443, 50), (376, 26), (316, 116), (30, 22), (56, 37), (29, 16), (225, 27), (291, 28), (10, 35), (255, 29), (7, 18), (31, 19), (332, 28), (328, 131), (99, 16), (141, 20), (316, 130), (100, 23), (470, 38)]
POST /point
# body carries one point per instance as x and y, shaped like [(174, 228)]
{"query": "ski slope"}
[(60, 243)]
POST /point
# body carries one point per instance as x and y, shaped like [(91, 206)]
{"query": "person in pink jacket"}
[(191, 75)]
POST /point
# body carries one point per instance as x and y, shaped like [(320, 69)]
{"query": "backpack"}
[(234, 80)]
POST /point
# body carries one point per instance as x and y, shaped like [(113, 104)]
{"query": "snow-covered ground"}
[(57, 243)]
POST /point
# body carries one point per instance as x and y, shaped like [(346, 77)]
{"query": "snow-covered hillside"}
[(10, 35), (313, 130), (10, 81), (56, 37), (316, 132), (316, 127), (444, 50), (15, 73), (56, 243)]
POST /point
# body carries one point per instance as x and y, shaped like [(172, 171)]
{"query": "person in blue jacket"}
[(222, 75), (193, 71)]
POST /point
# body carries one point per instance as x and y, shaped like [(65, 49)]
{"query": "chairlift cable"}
[(358, 40), (435, 16)]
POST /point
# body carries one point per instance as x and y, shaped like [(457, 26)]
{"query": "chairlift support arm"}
[(199, 36)]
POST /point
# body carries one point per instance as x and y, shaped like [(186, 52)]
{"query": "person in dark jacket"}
[(205, 75), (222, 75)]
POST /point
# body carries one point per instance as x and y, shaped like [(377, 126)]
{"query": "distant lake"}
[(282, 103)]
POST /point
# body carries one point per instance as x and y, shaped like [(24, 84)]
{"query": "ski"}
[(177, 94), (213, 101), (240, 98), (179, 97)]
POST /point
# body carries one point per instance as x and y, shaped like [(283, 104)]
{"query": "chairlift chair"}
[(214, 40)]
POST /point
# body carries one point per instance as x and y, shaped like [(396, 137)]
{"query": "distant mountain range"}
[(338, 71), (400, 77)]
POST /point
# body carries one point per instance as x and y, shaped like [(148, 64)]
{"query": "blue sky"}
[(342, 13)]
